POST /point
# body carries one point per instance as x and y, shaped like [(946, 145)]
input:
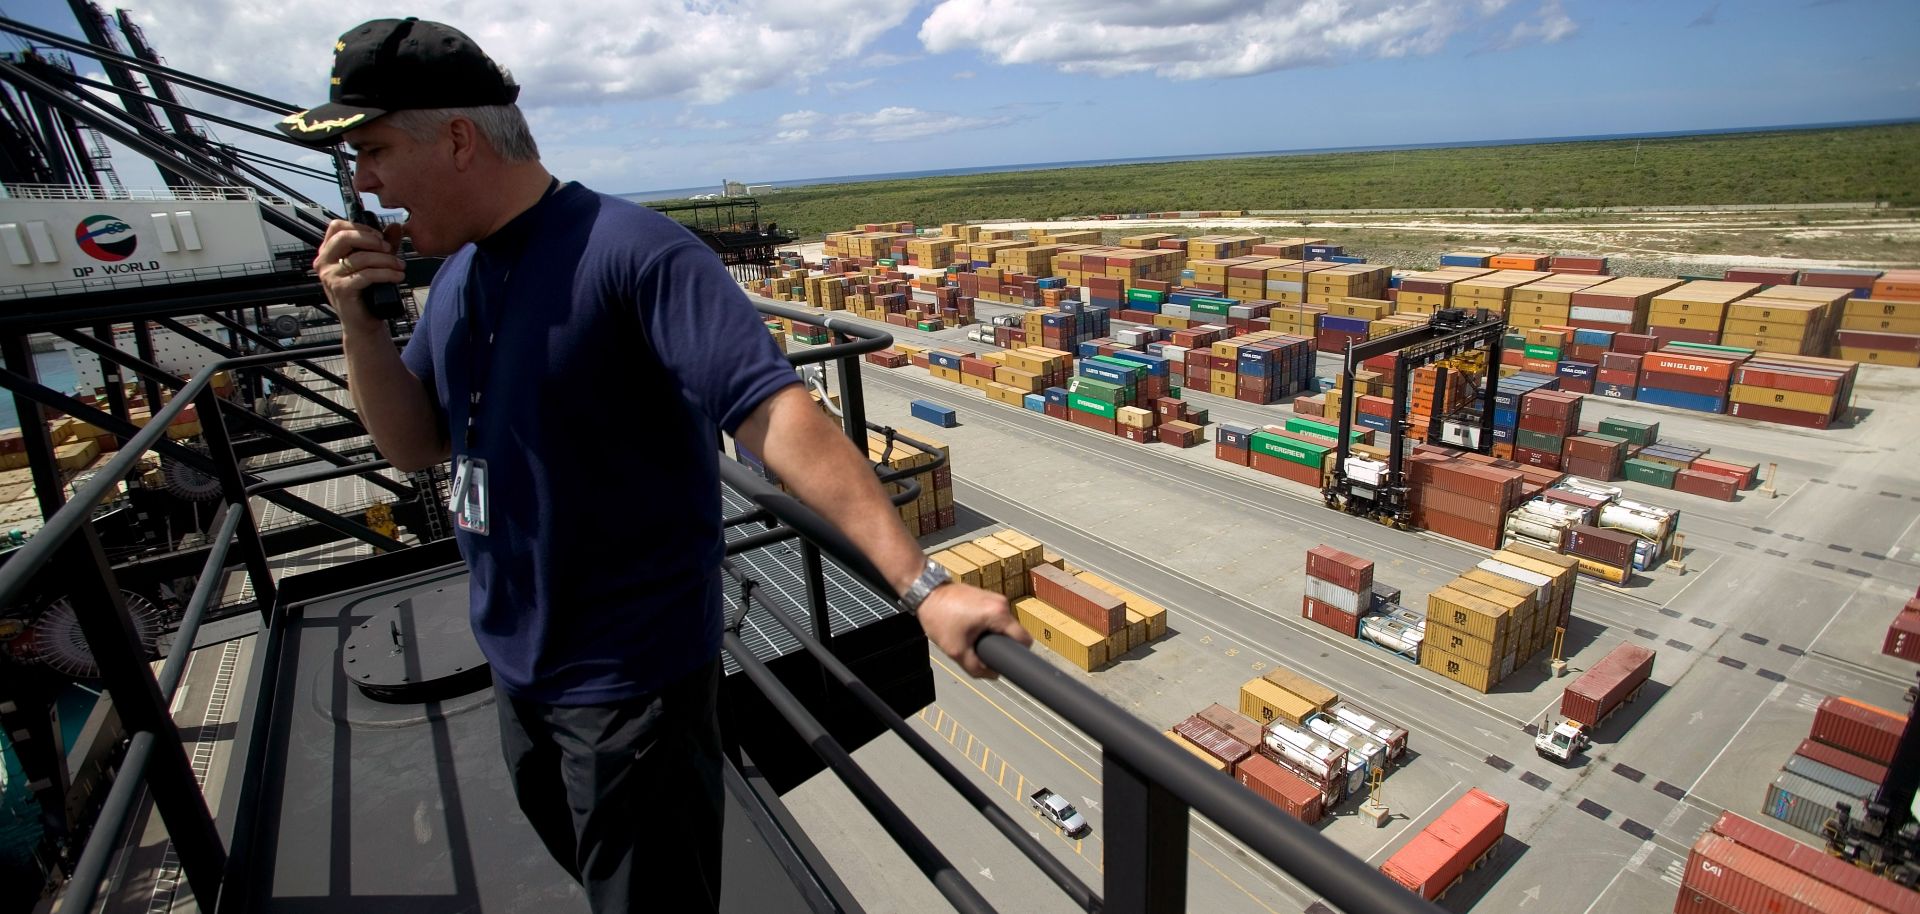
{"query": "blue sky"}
[(635, 95)]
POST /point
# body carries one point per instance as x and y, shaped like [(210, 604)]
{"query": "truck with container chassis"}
[(1592, 698)]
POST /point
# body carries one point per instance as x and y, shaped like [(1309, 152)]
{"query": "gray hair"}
[(503, 126)]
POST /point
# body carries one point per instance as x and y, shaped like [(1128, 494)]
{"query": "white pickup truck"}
[(1055, 808)]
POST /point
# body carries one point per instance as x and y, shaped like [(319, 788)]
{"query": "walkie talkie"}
[(382, 299)]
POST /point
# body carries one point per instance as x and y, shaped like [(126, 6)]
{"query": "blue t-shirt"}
[(620, 347)]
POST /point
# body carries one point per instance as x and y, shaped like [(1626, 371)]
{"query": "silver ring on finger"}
[(347, 262)]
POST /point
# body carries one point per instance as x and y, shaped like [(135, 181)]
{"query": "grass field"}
[(1813, 166)]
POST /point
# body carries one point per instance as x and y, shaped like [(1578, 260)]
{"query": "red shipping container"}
[(1237, 725), (1791, 417), (1466, 531), (1533, 458), (1101, 611), (1722, 870), (1692, 384), (1487, 484), (1862, 729), (1633, 342), (1562, 496), (1461, 506), (1287, 469), (1764, 277), (1059, 411), (1214, 741), (1624, 361), (1231, 454), (1344, 570), (1330, 616), (1664, 335), (1744, 475), (1903, 637), (1280, 787), (1610, 683), (1442, 852), (1695, 481), (1688, 365), (1089, 420), (1590, 469), (1863, 339), (1812, 861), (1871, 771), (1558, 426), (1789, 377), (1620, 376)]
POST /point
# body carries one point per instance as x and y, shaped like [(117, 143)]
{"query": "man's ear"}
[(465, 138)]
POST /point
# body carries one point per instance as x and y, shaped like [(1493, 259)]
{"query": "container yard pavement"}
[(1783, 604)]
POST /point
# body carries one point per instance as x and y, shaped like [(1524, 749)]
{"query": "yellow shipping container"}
[(1013, 565), (1869, 307), (75, 455), (1874, 323), (1463, 645), (1877, 356), (991, 569), (1265, 702), (1768, 311), (1799, 401), (1312, 692), (1467, 613), (1602, 570), (1082, 646), (962, 570), (1475, 676), (1154, 614)]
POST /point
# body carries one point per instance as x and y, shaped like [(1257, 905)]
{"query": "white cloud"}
[(885, 125), (1207, 39), (580, 52), (1550, 25), (964, 74), (843, 88)]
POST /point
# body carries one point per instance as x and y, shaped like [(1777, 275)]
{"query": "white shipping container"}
[(1347, 601), (1588, 488), (1172, 353), (1305, 749), (1607, 315), (1182, 312), (1541, 584)]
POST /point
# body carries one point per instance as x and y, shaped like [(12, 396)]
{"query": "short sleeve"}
[(418, 355), (708, 334)]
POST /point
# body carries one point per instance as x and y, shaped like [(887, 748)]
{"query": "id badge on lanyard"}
[(468, 503)]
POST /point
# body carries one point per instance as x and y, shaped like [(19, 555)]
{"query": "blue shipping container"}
[(1057, 396), (929, 411), (1233, 436), (1345, 258), (1680, 400), (1593, 338), (1614, 391), (1035, 402), (1503, 435), (1462, 260), (1579, 371), (1087, 349), (1504, 417), (1367, 420), (1050, 282), (1344, 324), (1156, 364), (1107, 373), (944, 360)]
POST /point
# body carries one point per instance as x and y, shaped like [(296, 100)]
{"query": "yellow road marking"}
[(1016, 721), (1002, 779)]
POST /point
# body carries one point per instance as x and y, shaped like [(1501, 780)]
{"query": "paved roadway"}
[(1783, 603)]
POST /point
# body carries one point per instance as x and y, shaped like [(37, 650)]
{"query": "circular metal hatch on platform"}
[(418, 648)]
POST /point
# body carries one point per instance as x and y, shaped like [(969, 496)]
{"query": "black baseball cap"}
[(390, 65)]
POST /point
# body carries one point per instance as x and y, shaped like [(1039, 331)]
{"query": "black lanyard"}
[(479, 357)]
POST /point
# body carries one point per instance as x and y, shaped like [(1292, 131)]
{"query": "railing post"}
[(213, 431), (81, 565), (816, 573), (1146, 837), (853, 398)]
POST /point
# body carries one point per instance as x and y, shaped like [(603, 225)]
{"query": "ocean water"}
[(680, 193), (55, 370)]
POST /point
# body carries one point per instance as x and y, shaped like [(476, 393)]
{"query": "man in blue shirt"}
[(594, 546)]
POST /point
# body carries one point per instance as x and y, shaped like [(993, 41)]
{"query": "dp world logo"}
[(105, 238)]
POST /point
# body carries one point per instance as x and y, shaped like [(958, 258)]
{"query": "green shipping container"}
[(1134, 370), (928, 325), (1175, 392), (1209, 306), (887, 262), (1289, 449), (1548, 353), (1635, 432), (1099, 390), (1324, 430), (1615, 440), (1537, 441), (1514, 341), (1147, 295), (1650, 473), (1090, 405)]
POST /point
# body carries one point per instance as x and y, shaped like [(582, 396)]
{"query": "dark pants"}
[(625, 796)]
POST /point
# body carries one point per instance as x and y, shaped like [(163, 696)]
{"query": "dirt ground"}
[(1636, 243)]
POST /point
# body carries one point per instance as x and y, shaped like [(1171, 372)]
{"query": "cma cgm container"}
[(1442, 852), (1612, 682), (1815, 862), (1862, 729)]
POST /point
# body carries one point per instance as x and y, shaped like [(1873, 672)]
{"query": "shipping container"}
[(1203, 755), (1442, 852), (1862, 729), (1817, 863), (1829, 776), (1871, 771), (1723, 875), (1240, 726), (1351, 602), (1300, 749), (1315, 694), (1903, 636), (1281, 787), (1264, 702), (1216, 741), (1082, 646), (1804, 804), (1612, 682), (1346, 571)]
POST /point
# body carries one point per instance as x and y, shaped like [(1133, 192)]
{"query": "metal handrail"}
[(1322, 866)]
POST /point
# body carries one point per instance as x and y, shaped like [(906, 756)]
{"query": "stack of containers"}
[(1425, 293), (1425, 396), (1694, 313), (1066, 327), (1316, 761), (1475, 633), (1741, 867), (1687, 380), (1339, 588), (1547, 419), (1795, 320), (1605, 554), (1366, 755), (1884, 329), (1552, 576), (1494, 291), (1792, 390), (1618, 377), (1547, 302), (1293, 457), (1507, 395), (1857, 283), (1858, 739), (1461, 499), (1442, 852), (1231, 443), (1594, 456), (1618, 305)]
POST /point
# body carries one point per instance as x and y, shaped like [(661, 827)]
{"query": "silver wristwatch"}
[(932, 575)]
